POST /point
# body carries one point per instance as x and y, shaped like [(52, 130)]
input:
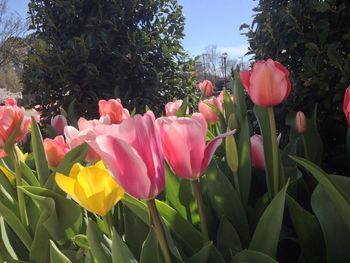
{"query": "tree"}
[(12, 29), (88, 50), (312, 39)]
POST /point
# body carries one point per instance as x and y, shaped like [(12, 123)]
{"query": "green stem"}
[(198, 196), (158, 226), (274, 156), (108, 221), (20, 195), (348, 142), (306, 152)]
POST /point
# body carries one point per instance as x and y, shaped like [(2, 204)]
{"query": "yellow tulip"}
[(91, 187)]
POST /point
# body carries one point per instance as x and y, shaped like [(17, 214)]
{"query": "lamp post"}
[(224, 56)]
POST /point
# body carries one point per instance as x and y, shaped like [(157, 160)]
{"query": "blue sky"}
[(208, 22)]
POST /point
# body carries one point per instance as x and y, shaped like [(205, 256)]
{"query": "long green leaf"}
[(150, 251), (56, 256), (181, 112), (120, 251), (251, 256), (226, 202), (267, 232), (40, 158), (99, 244), (11, 141), (339, 197)]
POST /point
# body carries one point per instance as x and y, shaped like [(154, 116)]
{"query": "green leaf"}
[(181, 112), (267, 232), (56, 256), (40, 158), (208, 254), (228, 242), (334, 227), (339, 197), (63, 217), (242, 139), (183, 231), (76, 155), (100, 245), (15, 224), (120, 251), (150, 251), (229, 106), (308, 231), (81, 241), (226, 202), (251, 256)]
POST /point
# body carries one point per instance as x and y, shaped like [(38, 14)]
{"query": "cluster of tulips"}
[(198, 166)]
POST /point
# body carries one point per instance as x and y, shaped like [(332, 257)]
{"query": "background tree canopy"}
[(89, 49), (312, 39)]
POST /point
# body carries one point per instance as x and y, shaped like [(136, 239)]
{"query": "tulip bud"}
[(55, 150), (231, 153), (114, 109), (300, 122), (257, 152), (346, 105), (172, 107), (208, 86), (267, 83), (59, 122), (232, 122), (208, 113)]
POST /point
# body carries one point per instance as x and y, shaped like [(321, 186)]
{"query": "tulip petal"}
[(117, 156), (245, 78), (66, 183)]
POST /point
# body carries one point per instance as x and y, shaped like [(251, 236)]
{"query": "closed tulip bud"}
[(232, 122), (257, 152), (208, 113), (190, 158), (91, 187), (267, 83), (114, 109), (59, 122), (300, 122), (231, 153), (55, 150), (208, 86), (172, 107), (346, 105)]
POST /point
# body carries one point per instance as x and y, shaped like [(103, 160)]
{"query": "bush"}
[(88, 50), (312, 39)]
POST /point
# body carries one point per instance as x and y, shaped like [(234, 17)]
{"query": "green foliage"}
[(311, 38), (88, 50)]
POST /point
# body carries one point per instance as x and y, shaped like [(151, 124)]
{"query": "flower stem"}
[(348, 142), (274, 154), (158, 226), (20, 195), (198, 196), (108, 220), (306, 153)]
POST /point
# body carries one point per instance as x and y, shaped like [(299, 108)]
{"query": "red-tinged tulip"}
[(257, 152), (190, 158), (346, 105), (172, 107), (10, 114), (221, 98), (132, 153), (10, 102), (209, 87), (55, 150), (59, 122), (208, 113), (114, 109), (300, 122), (267, 84)]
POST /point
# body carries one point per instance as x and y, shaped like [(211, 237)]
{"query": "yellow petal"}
[(96, 204), (22, 156), (67, 185), (10, 176)]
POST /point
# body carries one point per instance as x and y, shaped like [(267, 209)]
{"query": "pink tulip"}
[(346, 105), (221, 98), (267, 84), (183, 141), (114, 109), (257, 152), (172, 107), (59, 122), (76, 137), (10, 102), (132, 153), (55, 150), (209, 114), (10, 114), (300, 122), (209, 87)]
